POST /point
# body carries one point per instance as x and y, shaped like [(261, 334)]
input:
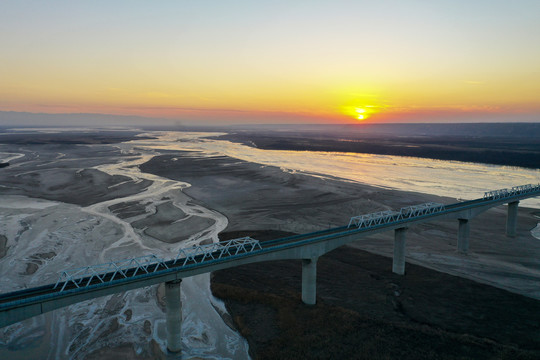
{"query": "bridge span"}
[(89, 282)]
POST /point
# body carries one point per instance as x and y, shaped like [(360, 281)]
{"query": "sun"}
[(361, 113)]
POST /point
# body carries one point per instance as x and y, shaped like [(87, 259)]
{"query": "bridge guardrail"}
[(122, 269), (515, 190), (389, 216)]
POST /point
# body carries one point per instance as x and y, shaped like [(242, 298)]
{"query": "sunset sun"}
[(361, 113)]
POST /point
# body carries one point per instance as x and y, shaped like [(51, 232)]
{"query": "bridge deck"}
[(51, 292)]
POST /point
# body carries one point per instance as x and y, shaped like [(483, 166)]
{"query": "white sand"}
[(79, 236)]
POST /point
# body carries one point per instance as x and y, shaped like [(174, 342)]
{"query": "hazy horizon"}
[(25, 119)]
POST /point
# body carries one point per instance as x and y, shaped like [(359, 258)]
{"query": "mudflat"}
[(522, 150), (364, 310), (63, 172), (170, 224), (256, 197)]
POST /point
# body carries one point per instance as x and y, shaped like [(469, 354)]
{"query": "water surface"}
[(454, 179)]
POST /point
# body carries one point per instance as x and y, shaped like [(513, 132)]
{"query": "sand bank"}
[(46, 172), (362, 306), (170, 224), (253, 196), (98, 194)]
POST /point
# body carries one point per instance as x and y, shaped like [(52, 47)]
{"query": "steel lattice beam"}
[(388, 216), (200, 253), (84, 276), (515, 190)]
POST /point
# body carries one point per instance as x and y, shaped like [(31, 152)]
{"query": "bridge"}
[(76, 285)]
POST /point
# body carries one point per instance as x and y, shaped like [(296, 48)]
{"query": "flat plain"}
[(484, 304)]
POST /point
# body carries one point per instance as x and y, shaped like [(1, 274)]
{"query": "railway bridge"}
[(76, 285)]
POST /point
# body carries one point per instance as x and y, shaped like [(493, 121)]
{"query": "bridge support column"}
[(173, 306), (309, 281), (463, 235), (511, 219), (398, 263)]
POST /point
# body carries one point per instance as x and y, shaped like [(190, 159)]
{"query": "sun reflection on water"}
[(438, 177)]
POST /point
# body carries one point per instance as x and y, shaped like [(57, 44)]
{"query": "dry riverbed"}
[(362, 298), (364, 310)]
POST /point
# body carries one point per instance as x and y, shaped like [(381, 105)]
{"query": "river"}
[(205, 335), (45, 239), (455, 179)]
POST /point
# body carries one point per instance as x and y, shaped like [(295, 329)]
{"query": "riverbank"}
[(509, 151), (364, 311), (254, 196)]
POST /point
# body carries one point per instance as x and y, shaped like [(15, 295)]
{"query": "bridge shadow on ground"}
[(364, 311)]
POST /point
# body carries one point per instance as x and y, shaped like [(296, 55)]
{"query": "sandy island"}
[(70, 205)]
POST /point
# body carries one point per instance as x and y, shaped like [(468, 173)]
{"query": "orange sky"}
[(280, 61)]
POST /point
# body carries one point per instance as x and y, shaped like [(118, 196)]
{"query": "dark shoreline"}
[(520, 152), (66, 138), (364, 311)]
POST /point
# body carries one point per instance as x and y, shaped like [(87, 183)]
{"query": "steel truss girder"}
[(83, 276), (515, 190), (421, 209), (389, 216), (107, 272), (214, 251)]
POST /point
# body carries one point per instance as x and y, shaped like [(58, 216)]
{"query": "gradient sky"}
[(274, 61)]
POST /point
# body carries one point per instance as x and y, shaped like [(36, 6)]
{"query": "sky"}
[(229, 62)]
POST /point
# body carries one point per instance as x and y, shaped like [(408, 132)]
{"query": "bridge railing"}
[(122, 269), (515, 190), (200, 253), (421, 209), (388, 216), (377, 218), (385, 217), (83, 276)]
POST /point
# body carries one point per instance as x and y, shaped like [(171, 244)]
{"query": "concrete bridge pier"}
[(309, 281), (463, 235), (173, 305), (398, 263), (511, 218)]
